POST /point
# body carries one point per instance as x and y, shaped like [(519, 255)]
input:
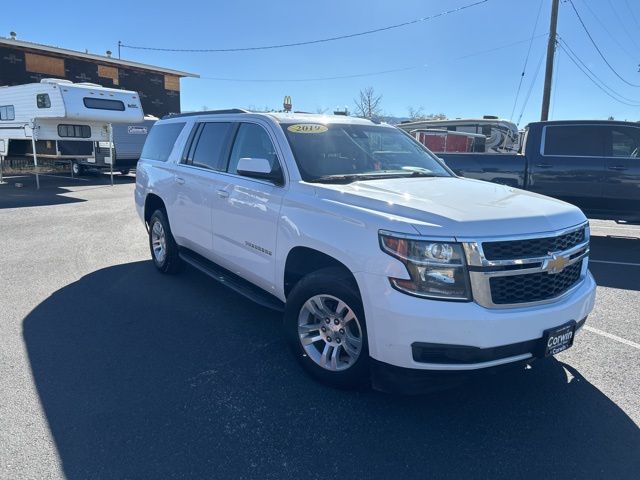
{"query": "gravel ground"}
[(110, 370)]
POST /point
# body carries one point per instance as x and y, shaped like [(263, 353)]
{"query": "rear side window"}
[(7, 112), (160, 141), (625, 142), (74, 131), (574, 141), (211, 147), (103, 104)]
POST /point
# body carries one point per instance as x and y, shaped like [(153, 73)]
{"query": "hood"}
[(456, 207)]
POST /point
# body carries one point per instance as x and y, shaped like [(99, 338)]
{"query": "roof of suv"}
[(281, 117)]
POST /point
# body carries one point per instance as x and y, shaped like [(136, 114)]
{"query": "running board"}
[(231, 280)]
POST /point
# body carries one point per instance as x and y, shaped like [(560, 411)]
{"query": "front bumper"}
[(399, 325)]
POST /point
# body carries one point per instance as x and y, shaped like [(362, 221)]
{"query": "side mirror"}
[(258, 168)]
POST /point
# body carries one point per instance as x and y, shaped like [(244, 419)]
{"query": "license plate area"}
[(558, 339)]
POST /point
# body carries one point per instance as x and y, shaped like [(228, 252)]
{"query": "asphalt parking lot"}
[(110, 370)]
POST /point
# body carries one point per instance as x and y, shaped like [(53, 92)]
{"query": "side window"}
[(211, 148), (252, 141), (160, 141), (7, 112), (574, 141), (624, 142), (43, 100), (74, 131)]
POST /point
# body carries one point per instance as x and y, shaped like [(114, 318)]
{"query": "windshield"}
[(346, 152)]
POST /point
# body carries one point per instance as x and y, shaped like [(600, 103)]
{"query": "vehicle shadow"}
[(20, 190), (614, 261), (142, 375)]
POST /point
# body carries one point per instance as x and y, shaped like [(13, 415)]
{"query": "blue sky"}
[(452, 71)]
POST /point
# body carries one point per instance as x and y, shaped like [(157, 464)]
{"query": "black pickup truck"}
[(592, 164)]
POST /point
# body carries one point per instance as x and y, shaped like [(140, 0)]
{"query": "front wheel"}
[(325, 326)]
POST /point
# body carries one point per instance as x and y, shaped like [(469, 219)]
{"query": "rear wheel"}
[(325, 325), (164, 249), (125, 171), (77, 169)]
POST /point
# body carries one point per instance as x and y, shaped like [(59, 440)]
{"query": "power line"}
[(633, 15), (308, 42), (526, 60), (624, 27), (586, 67), (533, 82), (358, 75), (315, 79), (598, 49), (584, 71), (604, 27)]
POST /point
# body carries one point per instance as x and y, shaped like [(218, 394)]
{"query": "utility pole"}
[(551, 50), (119, 44)]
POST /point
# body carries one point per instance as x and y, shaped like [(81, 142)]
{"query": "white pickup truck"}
[(386, 265)]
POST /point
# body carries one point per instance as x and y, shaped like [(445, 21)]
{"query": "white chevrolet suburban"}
[(385, 264)]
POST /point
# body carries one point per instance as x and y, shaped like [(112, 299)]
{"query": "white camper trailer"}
[(61, 120)]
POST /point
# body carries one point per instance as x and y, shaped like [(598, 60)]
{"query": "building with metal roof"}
[(27, 62)]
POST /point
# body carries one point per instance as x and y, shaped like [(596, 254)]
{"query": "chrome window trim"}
[(544, 137)]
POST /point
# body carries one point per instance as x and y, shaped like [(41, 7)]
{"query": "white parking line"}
[(613, 337), (615, 263)]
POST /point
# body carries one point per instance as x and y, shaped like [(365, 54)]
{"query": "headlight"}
[(437, 269)]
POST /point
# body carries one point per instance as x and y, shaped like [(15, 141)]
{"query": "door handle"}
[(222, 193), (179, 180), (618, 167), (544, 165)]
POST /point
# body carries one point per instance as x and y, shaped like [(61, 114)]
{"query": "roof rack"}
[(206, 112)]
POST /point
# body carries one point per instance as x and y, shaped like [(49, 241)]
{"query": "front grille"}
[(535, 247), (533, 287)]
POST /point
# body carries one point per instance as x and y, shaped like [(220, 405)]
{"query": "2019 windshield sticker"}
[(307, 128)]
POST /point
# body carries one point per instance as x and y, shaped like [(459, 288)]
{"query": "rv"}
[(128, 140), (57, 119), (502, 136)]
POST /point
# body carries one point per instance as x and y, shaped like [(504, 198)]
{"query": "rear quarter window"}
[(161, 140)]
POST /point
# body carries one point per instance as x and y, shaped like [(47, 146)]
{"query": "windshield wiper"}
[(354, 177), (349, 178)]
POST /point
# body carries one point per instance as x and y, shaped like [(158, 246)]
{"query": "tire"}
[(329, 286), (125, 172), (163, 247), (77, 169)]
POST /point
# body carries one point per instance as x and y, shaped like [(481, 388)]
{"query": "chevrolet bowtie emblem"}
[(556, 263)]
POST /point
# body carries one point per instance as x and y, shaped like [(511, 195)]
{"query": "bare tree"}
[(417, 114), (321, 110), (368, 105)]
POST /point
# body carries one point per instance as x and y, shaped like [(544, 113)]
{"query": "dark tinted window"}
[(74, 131), (160, 141), (577, 141), (43, 100), (210, 150), (252, 141), (103, 104), (7, 112), (625, 142)]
